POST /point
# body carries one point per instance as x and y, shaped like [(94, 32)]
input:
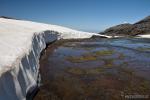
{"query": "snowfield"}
[(21, 43), (144, 36)]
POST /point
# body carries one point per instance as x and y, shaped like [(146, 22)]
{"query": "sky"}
[(85, 15)]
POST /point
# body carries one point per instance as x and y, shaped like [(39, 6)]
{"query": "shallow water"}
[(106, 69)]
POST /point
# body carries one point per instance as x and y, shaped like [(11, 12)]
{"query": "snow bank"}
[(21, 43), (144, 36)]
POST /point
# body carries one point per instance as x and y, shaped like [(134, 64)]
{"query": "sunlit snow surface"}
[(16, 37)]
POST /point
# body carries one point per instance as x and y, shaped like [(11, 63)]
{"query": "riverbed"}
[(95, 69)]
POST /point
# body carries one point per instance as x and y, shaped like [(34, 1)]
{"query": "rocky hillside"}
[(141, 27)]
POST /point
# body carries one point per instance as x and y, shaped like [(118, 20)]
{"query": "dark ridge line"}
[(6, 17)]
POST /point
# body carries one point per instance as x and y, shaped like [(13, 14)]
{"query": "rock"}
[(7, 17), (97, 36), (139, 28)]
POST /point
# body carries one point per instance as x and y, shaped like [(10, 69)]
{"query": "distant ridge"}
[(6, 17), (139, 28), (145, 20)]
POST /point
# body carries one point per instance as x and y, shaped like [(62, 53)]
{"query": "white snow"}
[(144, 36), (21, 43)]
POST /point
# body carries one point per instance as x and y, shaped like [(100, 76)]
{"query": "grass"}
[(121, 56), (138, 86), (132, 83), (89, 48), (104, 52), (144, 86), (83, 58), (92, 56), (108, 63), (143, 49), (82, 71), (126, 71), (76, 71), (97, 70)]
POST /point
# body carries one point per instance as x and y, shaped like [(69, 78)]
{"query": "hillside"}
[(139, 28)]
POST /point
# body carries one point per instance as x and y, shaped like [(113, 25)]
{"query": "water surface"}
[(104, 69)]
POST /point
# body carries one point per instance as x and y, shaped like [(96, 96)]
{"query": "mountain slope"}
[(139, 28)]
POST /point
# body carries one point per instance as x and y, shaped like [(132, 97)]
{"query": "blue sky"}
[(86, 15)]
